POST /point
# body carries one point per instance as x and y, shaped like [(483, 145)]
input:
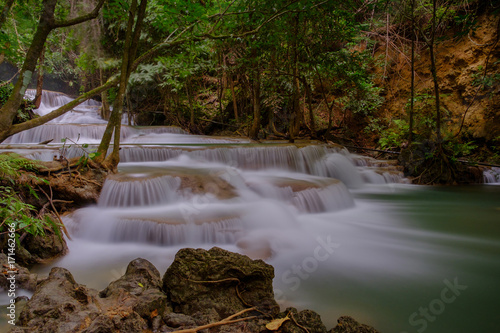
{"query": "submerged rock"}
[(200, 288)]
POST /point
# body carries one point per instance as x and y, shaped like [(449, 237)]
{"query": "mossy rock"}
[(217, 283)]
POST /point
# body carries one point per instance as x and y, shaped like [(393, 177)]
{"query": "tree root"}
[(226, 280), (55, 210)]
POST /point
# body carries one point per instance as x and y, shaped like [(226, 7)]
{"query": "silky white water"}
[(344, 233)]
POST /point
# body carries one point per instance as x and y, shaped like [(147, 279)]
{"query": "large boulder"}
[(214, 284)]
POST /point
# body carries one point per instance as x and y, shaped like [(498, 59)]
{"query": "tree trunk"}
[(191, 106), (39, 81), (412, 84), (296, 115), (129, 54), (105, 112), (434, 73), (254, 130), (311, 111), (235, 103), (46, 24)]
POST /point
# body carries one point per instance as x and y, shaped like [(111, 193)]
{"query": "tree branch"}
[(63, 109), (77, 20)]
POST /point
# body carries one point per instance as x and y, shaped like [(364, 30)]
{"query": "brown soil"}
[(460, 60)]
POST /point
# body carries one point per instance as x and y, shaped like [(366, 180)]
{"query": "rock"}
[(179, 320), (24, 279), (200, 287), (306, 318), (212, 285), (42, 249), (137, 292), (347, 324), (59, 304)]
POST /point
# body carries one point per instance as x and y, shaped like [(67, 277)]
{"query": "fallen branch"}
[(225, 321)]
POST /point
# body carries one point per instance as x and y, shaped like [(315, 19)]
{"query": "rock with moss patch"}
[(217, 283)]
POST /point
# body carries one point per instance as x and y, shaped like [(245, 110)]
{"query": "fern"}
[(11, 163), (14, 212)]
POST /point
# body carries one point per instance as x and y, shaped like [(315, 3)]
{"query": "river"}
[(346, 234)]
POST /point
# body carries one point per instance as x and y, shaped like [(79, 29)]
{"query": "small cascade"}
[(492, 175), (340, 167), (307, 194), (282, 157), (134, 225), (57, 132), (126, 191), (83, 133), (161, 130), (218, 232), (85, 113)]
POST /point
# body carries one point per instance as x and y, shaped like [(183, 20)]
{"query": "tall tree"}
[(134, 27)]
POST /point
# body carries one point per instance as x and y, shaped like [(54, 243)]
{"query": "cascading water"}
[(344, 233)]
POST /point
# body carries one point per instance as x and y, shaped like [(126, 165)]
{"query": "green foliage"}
[(87, 155), (5, 91), (395, 135), (15, 213), (484, 80), (459, 149)]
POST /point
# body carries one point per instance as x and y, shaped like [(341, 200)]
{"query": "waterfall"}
[(492, 176), (138, 191), (177, 188)]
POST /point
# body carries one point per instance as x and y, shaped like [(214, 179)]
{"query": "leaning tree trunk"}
[(46, 24)]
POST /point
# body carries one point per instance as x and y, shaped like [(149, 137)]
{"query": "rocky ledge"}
[(202, 291)]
